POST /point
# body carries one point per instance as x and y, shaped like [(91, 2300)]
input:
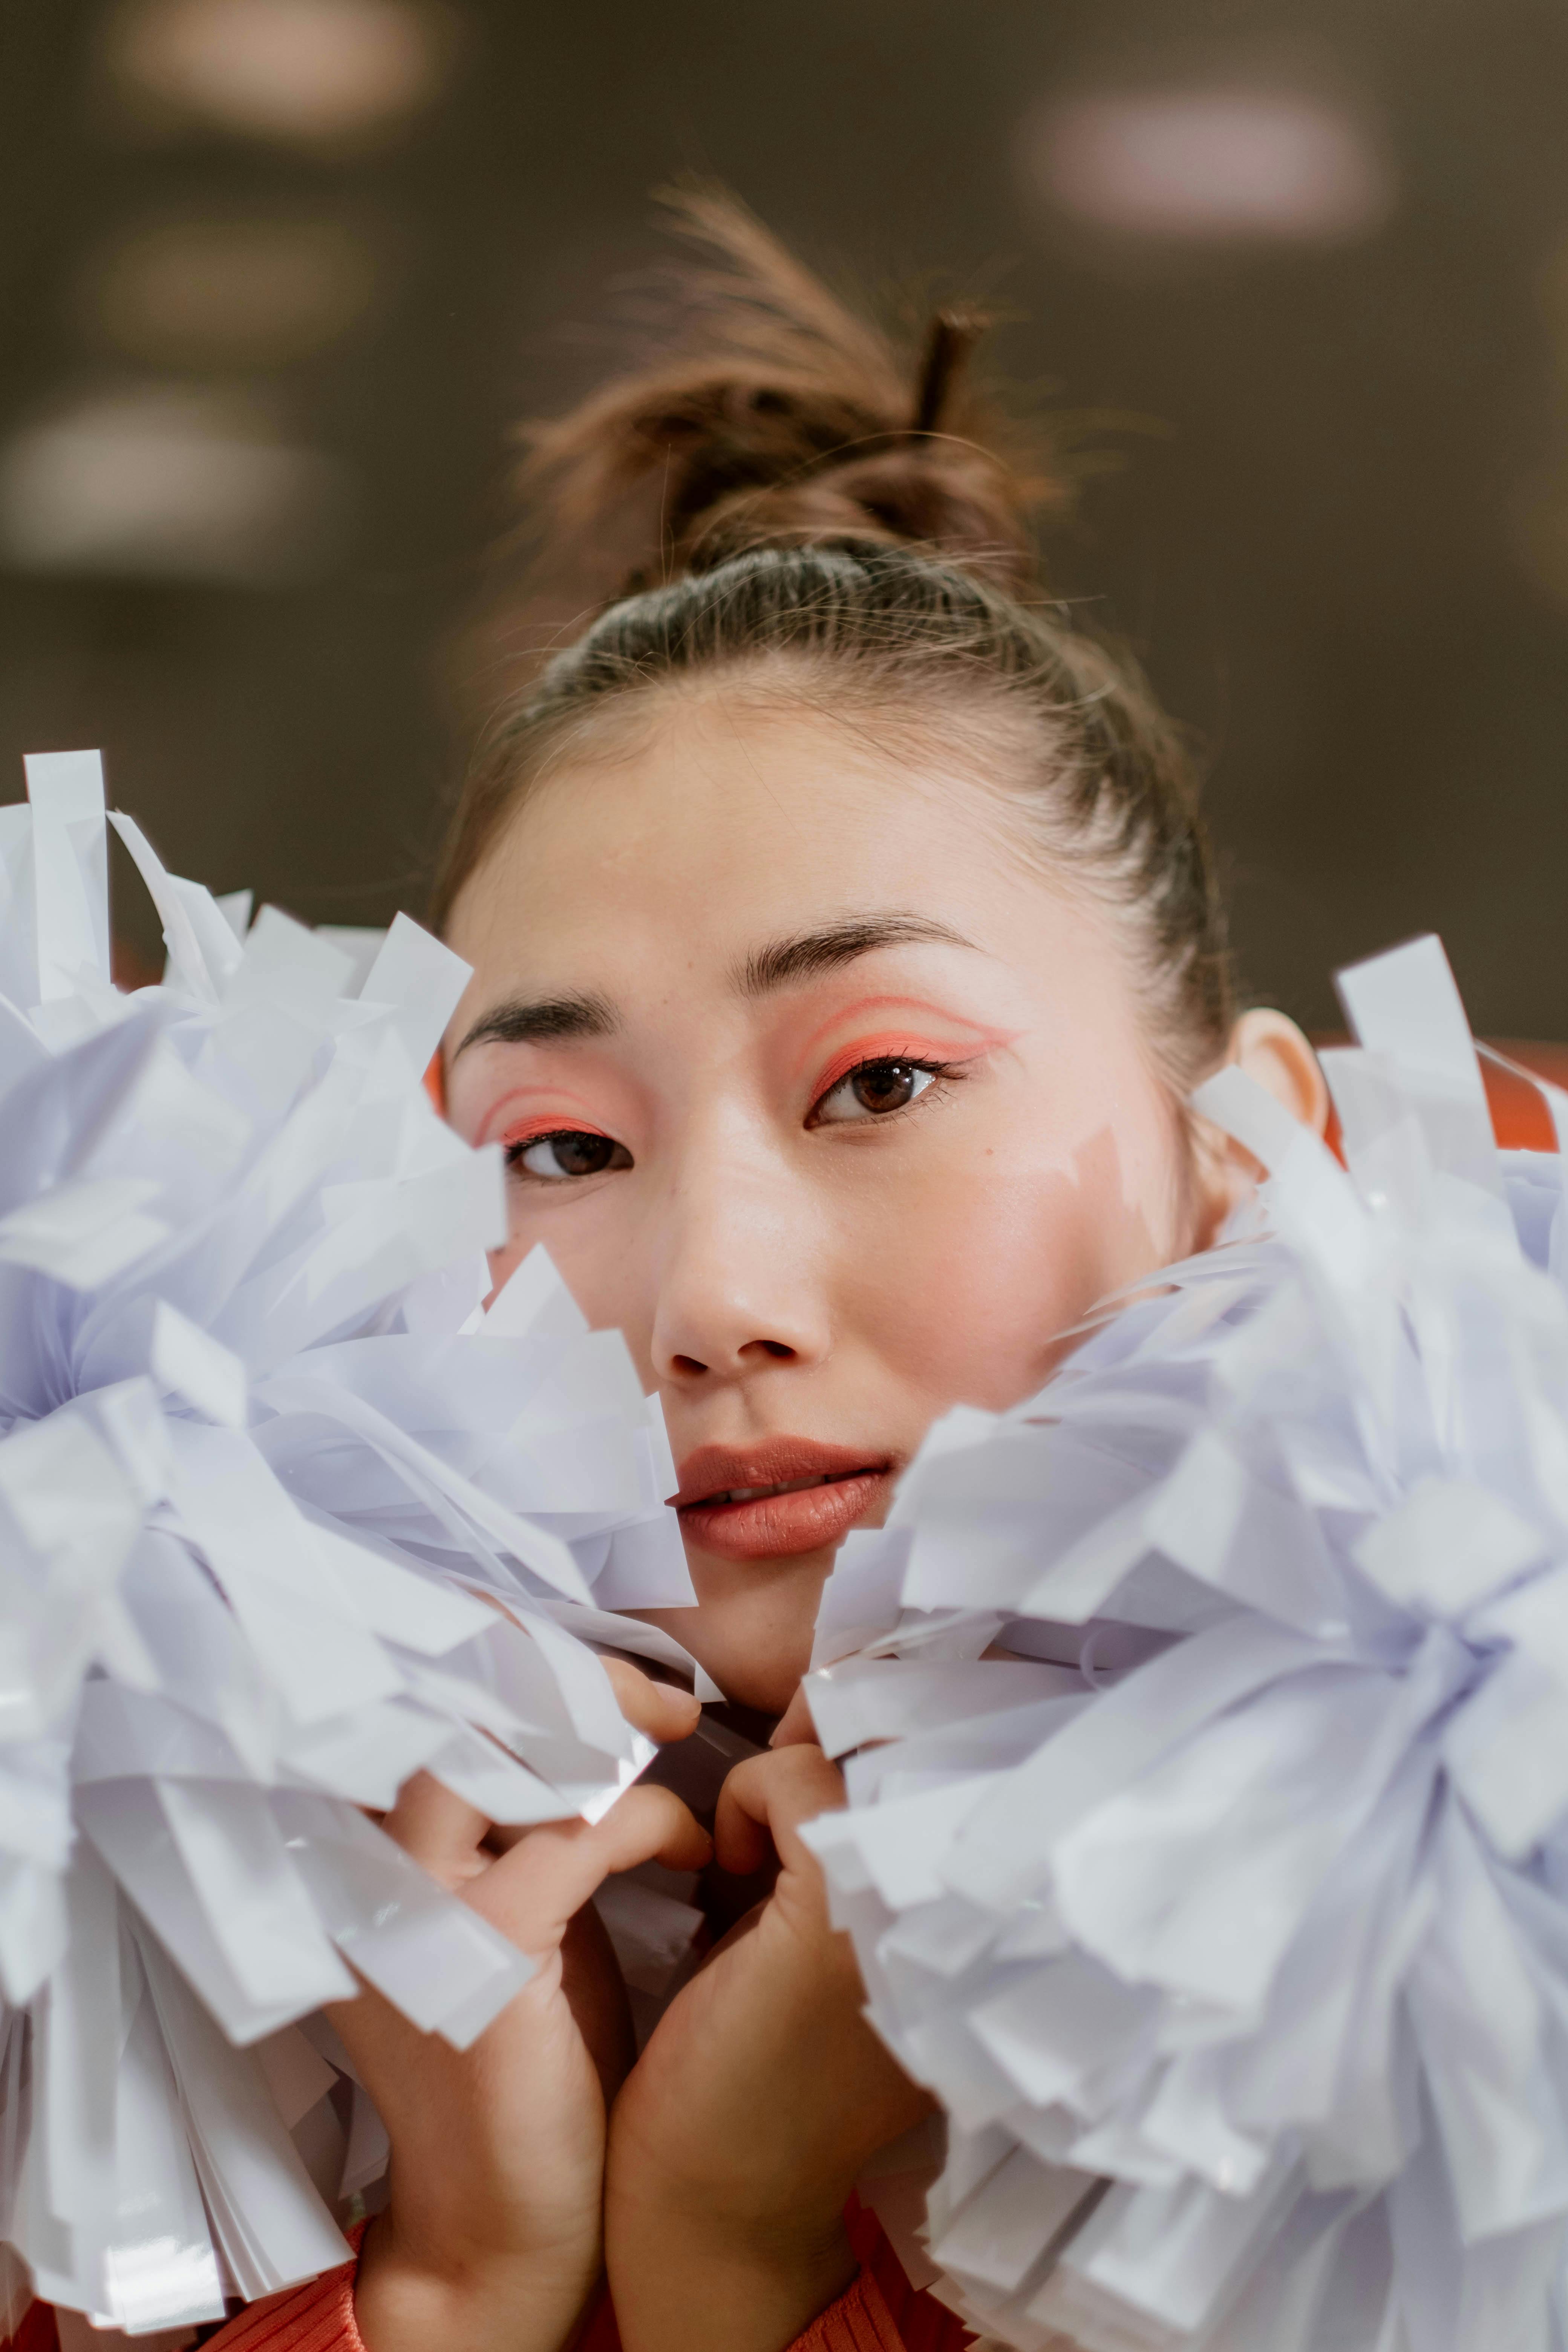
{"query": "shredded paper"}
[(1227, 1908), (285, 1515), (1204, 1718)]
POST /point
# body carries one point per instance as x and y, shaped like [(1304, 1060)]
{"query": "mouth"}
[(785, 1495)]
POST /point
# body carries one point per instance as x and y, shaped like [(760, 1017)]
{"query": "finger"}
[(533, 1892), (503, 1836), (663, 1710), (795, 1727), (766, 1798), (439, 1829), (596, 1997)]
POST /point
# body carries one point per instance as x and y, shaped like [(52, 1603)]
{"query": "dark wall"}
[(1338, 533)]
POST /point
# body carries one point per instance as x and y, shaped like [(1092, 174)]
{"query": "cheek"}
[(504, 1263), (978, 1266), (594, 1253)]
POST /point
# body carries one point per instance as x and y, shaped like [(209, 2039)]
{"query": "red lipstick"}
[(785, 1494)]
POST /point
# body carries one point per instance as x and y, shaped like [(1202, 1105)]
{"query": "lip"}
[(774, 1525)]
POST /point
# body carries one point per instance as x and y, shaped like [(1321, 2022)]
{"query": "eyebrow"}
[(784, 961), (552, 1020), (542, 1020)]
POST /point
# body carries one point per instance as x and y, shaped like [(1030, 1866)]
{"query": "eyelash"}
[(513, 1152), (941, 1073)]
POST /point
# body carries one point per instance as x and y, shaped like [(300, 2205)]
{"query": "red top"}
[(879, 2313)]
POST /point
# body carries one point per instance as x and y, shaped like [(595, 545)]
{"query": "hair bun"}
[(777, 415)]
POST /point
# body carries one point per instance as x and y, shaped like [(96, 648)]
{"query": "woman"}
[(845, 944)]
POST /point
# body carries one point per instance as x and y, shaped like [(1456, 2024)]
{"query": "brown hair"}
[(790, 496)]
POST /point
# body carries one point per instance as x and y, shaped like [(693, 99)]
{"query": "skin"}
[(492, 2234), (789, 1259)]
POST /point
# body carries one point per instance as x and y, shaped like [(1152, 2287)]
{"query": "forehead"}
[(730, 820)]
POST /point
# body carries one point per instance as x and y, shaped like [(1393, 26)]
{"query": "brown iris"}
[(885, 1086)]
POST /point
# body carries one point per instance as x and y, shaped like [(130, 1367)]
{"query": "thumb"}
[(766, 1798)]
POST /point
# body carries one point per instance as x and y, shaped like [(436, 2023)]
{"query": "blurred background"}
[(277, 276)]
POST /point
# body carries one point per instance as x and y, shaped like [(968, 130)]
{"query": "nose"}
[(741, 1282)]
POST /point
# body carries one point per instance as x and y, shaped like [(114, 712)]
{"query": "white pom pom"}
[(284, 1516), (1240, 1965)]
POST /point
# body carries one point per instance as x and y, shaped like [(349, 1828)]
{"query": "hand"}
[(492, 2235), (744, 2125)]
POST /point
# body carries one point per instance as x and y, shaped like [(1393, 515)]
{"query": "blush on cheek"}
[(976, 1318)]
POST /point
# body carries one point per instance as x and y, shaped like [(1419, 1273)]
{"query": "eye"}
[(570, 1151), (874, 1089)]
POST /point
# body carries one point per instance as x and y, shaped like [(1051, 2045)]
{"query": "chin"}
[(767, 1689), (753, 1626)]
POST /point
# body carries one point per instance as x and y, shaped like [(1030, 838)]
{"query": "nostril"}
[(776, 1348), (687, 1364)]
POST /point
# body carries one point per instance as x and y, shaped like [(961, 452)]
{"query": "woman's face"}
[(815, 1090)]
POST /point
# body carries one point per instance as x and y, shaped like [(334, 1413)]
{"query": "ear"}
[(1271, 1050), (1276, 1054)]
